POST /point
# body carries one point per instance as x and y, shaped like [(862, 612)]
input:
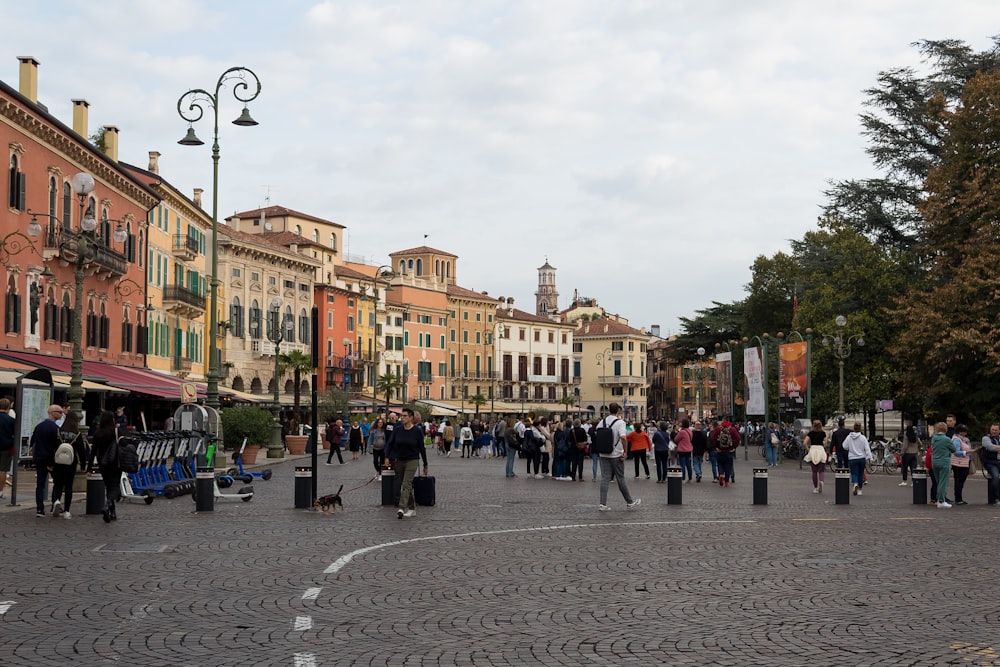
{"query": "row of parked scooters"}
[(167, 467)]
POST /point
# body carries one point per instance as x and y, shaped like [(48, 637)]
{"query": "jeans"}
[(62, 484), (772, 454), (662, 462), (405, 470), (697, 465), (511, 457), (857, 471), (685, 459), (725, 460), (713, 458), (596, 458), (613, 467), (41, 484), (941, 473), (993, 486), (842, 461)]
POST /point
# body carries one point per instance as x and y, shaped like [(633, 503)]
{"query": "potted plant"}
[(248, 420)]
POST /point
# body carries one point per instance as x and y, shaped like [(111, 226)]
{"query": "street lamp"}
[(347, 382), (602, 359), (700, 379), (245, 89), (842, 350), (276, 334), (498, 335), (385, 273)]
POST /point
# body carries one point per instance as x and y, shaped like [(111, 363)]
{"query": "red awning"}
[(141, 380)]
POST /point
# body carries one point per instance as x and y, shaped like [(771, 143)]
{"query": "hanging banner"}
[(724, 384), (753, 386), (793, 377)]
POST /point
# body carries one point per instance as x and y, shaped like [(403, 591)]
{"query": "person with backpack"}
[(579, 451), (609, 442), (910, 452), (44, 441), (989, 455), (725, 439), (465, 435), (661, 451), (71, 452), (105, 452), (531, 447), (511, 443)]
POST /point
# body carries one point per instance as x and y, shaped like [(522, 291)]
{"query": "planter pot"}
[(296, 444), (250, 454)]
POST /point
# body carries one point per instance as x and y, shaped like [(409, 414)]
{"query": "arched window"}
[(437, 267), (288, 324), (53, 222), (315, 236), (255, 332), (16, 184), (50, 328), (333, 242), (298, 230), (420, 267), (303, 326), (402, 266), (139, 250), (65, 320), (236, 317), (409, 265), (105, 228), (12, 310), (91, 324)]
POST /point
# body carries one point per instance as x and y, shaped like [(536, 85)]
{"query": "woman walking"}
[(910, 451), (960, 460), (816, 454), (63, 473), (354, 441), (105, 452), (638, 446), (465, 435), (376, 443), (661, 451), (858, 451), (684, 449), (941, 450)]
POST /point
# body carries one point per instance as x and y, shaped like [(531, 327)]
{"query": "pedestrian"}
[(816, 454), (661, 451), (104, 451), (639, 444), (448, 433), (713, 451), (837, 445), (990, 455), (121, 421), (335, 436), (465, 436), (942, 448), (910, 451), (64, 472), (44, 441), (578, 453), (699, 445), (613, 464), (960, 460), (511, 444), (595, 458), (929, 467), (726, 439), (376, 443), (355, 441), (858, 452), (545, 446), (7, 429), (408, 446), (685, 448), (772, 441)]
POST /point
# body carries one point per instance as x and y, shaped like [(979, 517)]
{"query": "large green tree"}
[(718, 323)]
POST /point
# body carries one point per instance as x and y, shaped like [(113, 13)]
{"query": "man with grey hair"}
[(613, 464)]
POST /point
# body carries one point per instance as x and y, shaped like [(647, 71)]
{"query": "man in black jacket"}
[(837, 444), (408, 448), (44, 442)]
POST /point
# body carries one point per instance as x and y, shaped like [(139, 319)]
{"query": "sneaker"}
[(378, 478), (55, 504), (815, 489), (727, 484), (722, 481), (40, 513), (855, 489), (539, 476), (943, 505), (821, 486), (933, 503), (902, 484), (66, 515), (860, 492), (399, 514), (329, 463), (409, 513), (635, 503), (961, 502), (603, 508)]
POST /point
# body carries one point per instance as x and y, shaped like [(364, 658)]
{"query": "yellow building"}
[(610, 358)]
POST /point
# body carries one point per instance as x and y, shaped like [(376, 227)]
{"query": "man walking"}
[(408, 443), (335, 436), (613, 464), (726, 440), (44, 442), (838, 444), (991, 450)]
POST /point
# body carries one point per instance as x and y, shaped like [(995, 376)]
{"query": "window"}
[(631, 346), (564, 338), (442, 342), (617, 346), (92, 325), (329, 319), (552, 337), (271, 280), (521, 334), (329, 298), (538, 336), (578, 347), (315, 236), (298, 230), (303, 287), (236, 272), (550, 366), (236, 317), (12, 308), (479, 317), (254, 276), (350, 322), (50, 327), (16, 185), (126, 332), (536, 366), (288, 322), (303, 326), (333, 242), (66, 321), (289, 284), (255, 321)]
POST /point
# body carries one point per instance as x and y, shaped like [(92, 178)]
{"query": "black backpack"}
[(530, 444), (725, 440), (604, 437)]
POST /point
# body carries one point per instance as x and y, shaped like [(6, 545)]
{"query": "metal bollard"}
[(204, 485), (843, 486), (389, 487), (919, 486), (303, 487), (674, 486), (95, 492), (760, 486)]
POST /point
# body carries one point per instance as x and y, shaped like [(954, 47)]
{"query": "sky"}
[(649, 150)]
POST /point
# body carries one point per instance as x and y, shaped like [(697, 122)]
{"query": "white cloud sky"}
[(649, 149)]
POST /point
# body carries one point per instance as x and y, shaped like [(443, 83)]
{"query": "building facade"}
[(611, 358)]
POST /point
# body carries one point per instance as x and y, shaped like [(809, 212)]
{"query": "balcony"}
[(101, 260), (181, 301), (182, 366), (621, 380), (185, 247)]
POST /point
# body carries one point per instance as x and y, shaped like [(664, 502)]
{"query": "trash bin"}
[(389, 487), (204, 485), (96, 498), (303, 487), (919, 486), (675, 485), (760, 486), (843, 486)]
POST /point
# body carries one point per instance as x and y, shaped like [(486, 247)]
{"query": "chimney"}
[(154, 162), (111, 142), (197, 196), (29, 78), (510, 306), (80, 113)]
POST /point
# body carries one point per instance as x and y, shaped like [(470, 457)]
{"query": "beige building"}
[(611, 359)]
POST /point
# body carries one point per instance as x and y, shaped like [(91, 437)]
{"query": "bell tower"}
[(546, 297)]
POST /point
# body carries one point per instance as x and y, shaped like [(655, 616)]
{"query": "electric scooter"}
[(246, 476), (245, 493)]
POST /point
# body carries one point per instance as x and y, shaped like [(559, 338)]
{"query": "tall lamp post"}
[(496, 335), (385, 273), (700, 378), (602, 359), (276, 334), (246, 88), (842, 350), (347, 383)]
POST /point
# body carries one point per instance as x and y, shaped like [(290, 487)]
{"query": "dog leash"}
[(362, 485)]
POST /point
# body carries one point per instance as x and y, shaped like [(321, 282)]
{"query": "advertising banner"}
[(724, 384), (753, 387), (793, 377)]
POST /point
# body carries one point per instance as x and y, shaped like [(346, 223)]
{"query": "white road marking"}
[(5, 606), (303, 623), (339, 564), (311, 593), (305, 660)]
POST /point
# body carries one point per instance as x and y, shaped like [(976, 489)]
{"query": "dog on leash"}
[(330, 502)]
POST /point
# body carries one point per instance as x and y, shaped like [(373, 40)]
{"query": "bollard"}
[(674, 486), (760, 486), (204, 486), (303, 487), (389, 487), (919, 486), (95, 492), (843, 486)]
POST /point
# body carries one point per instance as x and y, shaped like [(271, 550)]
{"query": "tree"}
[(478, 400), (770, 301), (720, 322), (297, 362), (386, 384)]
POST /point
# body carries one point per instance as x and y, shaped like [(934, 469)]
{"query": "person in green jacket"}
[(942, 448)]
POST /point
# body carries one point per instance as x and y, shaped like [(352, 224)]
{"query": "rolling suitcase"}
[(423, 490)]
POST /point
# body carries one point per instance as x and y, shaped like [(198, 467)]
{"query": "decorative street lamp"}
[(842, 350), (384, 273), (347, 383), (276, 334), (246, 88), (602, 359), (700, 379)]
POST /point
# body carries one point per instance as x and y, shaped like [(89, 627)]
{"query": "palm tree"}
[(569, 401), (297, 362), (386, 384), (478, 400)]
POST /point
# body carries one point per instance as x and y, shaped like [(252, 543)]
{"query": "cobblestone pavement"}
[(508, 572)]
